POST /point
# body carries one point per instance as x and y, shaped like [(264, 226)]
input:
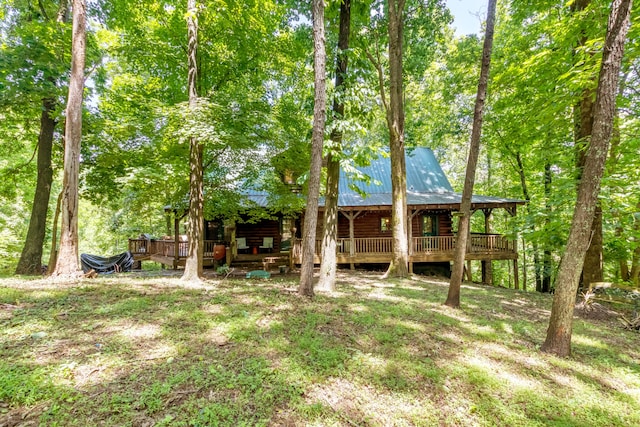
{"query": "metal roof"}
[(427, 185)]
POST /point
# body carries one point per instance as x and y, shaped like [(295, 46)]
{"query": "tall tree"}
[(67, 263), (327, 280), (49, 15), (317, 138), (558, 339), (195, 232), (31, 257), (395, 122), (462, 237), (545, 284), (592, 271)]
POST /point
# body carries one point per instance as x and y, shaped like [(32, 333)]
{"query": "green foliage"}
[(257, 98)]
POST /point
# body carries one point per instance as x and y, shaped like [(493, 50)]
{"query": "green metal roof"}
[(427, 185), (424, 175)]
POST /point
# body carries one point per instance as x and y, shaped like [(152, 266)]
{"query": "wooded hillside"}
[(256, 104)]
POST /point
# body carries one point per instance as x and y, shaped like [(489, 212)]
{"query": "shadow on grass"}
[(253, 353)]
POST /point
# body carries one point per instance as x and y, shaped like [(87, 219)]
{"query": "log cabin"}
[(364, 232)]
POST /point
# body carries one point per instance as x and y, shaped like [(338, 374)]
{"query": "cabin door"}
[(429, 225)]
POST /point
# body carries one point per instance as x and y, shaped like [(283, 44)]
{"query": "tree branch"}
[(15, 169), (378, 66)]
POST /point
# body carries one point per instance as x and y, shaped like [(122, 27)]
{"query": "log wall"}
[(255, 232)]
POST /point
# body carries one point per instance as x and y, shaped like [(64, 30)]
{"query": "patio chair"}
[(267, 243), (241, 243)]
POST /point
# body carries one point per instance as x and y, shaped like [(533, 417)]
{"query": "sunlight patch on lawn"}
[(142, 331), (78, 375), (581, 339), (407, 324), (430, 280), (159, 351), (507, 328), (566, 381), (358, 308), (350, 403), (268, 321), (454, 313), (499, 371), (282, 307), (35, 329), (497, 350), (633, 393), (369, 361), (381, 295), (484, 331), (213, 309), (451, 337)]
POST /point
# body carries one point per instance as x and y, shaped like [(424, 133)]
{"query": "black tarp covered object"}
[(115, 264)]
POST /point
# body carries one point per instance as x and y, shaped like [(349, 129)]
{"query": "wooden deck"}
[(164, 252), (374, 250)]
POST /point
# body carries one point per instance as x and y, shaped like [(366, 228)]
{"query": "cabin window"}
[(429, 225), (287, 230), (385, 223), (215, 231)]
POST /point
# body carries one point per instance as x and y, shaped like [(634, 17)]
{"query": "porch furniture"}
[(269, 261), (241, 243), (267, 243)]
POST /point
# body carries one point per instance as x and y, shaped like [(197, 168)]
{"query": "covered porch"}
[(483, 247), (172, 252), (422, 250)]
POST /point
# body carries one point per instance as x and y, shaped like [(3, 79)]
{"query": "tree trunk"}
[(634, 273), (317, 139), (328, 266), (593, 270), (53, 255), (399, 266), (537, 265), (558, 339), (462, 238), (583, 128), (612, 166), (31, 258), (195, 232), (547, 270), (67, 263)]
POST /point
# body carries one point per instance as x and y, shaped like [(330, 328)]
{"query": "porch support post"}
[(469, 275), (176, 239), (351, 216), (233, 245), (516, 280), (412, 215), (487, 267), (293, 249)]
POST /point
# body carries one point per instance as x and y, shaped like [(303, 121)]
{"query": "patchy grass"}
[(119, 351)]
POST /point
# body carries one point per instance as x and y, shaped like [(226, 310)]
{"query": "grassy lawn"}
[(148, 351)]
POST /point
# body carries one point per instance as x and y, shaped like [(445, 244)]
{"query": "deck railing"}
[(491, 243), (142, 246), (478, 244), (434, 244), (167, 247)]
